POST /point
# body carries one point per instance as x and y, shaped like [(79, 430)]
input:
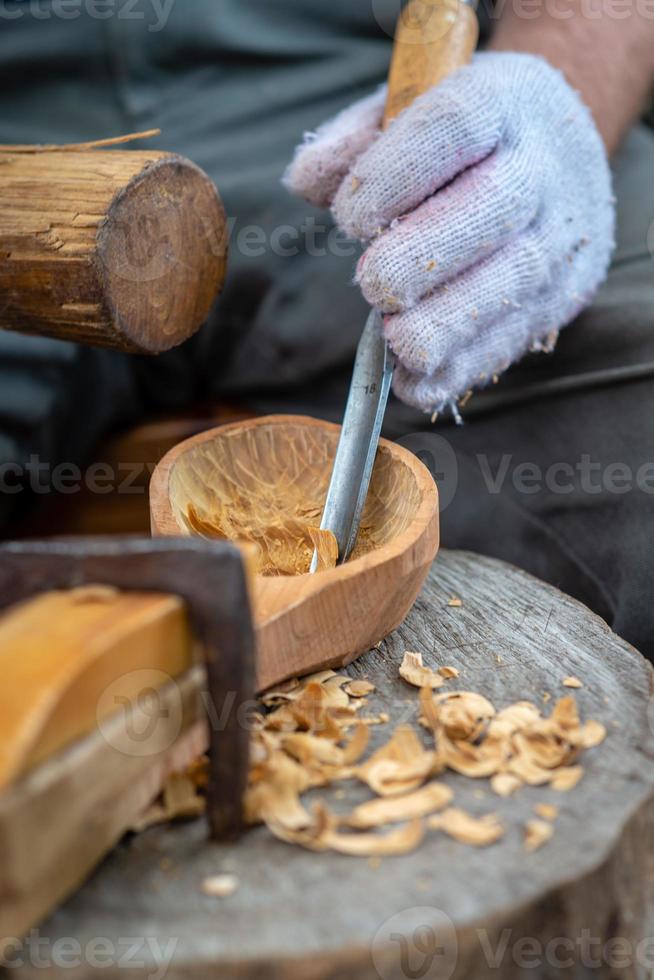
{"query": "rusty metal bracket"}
[(210, 577)]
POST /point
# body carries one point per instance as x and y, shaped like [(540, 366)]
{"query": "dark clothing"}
[(233, 84), (564, 487)]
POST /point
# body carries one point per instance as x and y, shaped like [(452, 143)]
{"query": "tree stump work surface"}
[(579, 907)]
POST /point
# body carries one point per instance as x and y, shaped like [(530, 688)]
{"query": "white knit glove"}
[(489, 210)]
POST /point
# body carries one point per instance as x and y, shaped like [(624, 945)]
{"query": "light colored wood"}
[(102, 144), (433, 39), (117, 248), (276, 468), (301, 915), (104, 694), (62, 818), (60, 652)]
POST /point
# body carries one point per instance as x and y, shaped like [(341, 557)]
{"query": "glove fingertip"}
[(307, 177), (323, 160), (355, 210), (417, 391)]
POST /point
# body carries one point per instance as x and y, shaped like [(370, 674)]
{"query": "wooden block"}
[(69, 659)]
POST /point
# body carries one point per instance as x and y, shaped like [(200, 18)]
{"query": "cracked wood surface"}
[(114, 248), (311, 916)]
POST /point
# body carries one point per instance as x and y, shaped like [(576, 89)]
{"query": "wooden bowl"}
[(276, 469)]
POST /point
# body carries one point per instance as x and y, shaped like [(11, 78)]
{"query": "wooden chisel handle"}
[(433, 39)]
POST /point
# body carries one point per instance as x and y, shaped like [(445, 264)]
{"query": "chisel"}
[(433, 39)]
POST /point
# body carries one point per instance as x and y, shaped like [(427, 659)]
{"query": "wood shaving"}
[(475, 761), (283, 548), (566, 779), (505, 783), (281, 694), (220, 886), (401, 841), (396, 809), (544, 749), (593, 734), (475, 831), (381, 719), (455, 602), (537, 833), (514, 747), (274, 793), (565, 714), (572, 682), (414, 672), (400, 766), (325, 547), (180, 800), (309, 749), (357, 745), (546, 811), (464, 714), (323, 677), (513, 719), (322, 835), (359, 689), (527, 770), (314, 733), (430, 717)]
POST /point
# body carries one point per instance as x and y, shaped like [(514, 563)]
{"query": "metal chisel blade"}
[(359, 440)]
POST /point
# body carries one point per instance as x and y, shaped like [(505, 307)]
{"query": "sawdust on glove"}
[(488, 211)]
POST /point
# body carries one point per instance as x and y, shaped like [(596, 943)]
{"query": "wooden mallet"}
[(112, 248)]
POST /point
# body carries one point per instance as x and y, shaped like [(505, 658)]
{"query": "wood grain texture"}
[(433, 39), (322, 916), (51, 691), (58, 823), (211, 578), (279, 466), (116, 248)]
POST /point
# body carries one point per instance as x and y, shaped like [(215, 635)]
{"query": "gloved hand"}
[(489, 212)]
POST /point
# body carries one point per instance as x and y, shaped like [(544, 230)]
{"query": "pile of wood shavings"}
[(315, 734)]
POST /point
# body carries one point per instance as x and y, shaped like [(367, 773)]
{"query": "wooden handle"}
[(122, 249), (433, 39)]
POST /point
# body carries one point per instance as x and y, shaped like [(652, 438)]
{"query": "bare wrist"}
[(610, 63)]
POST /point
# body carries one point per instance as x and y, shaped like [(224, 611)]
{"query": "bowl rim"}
[(424, 519)]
